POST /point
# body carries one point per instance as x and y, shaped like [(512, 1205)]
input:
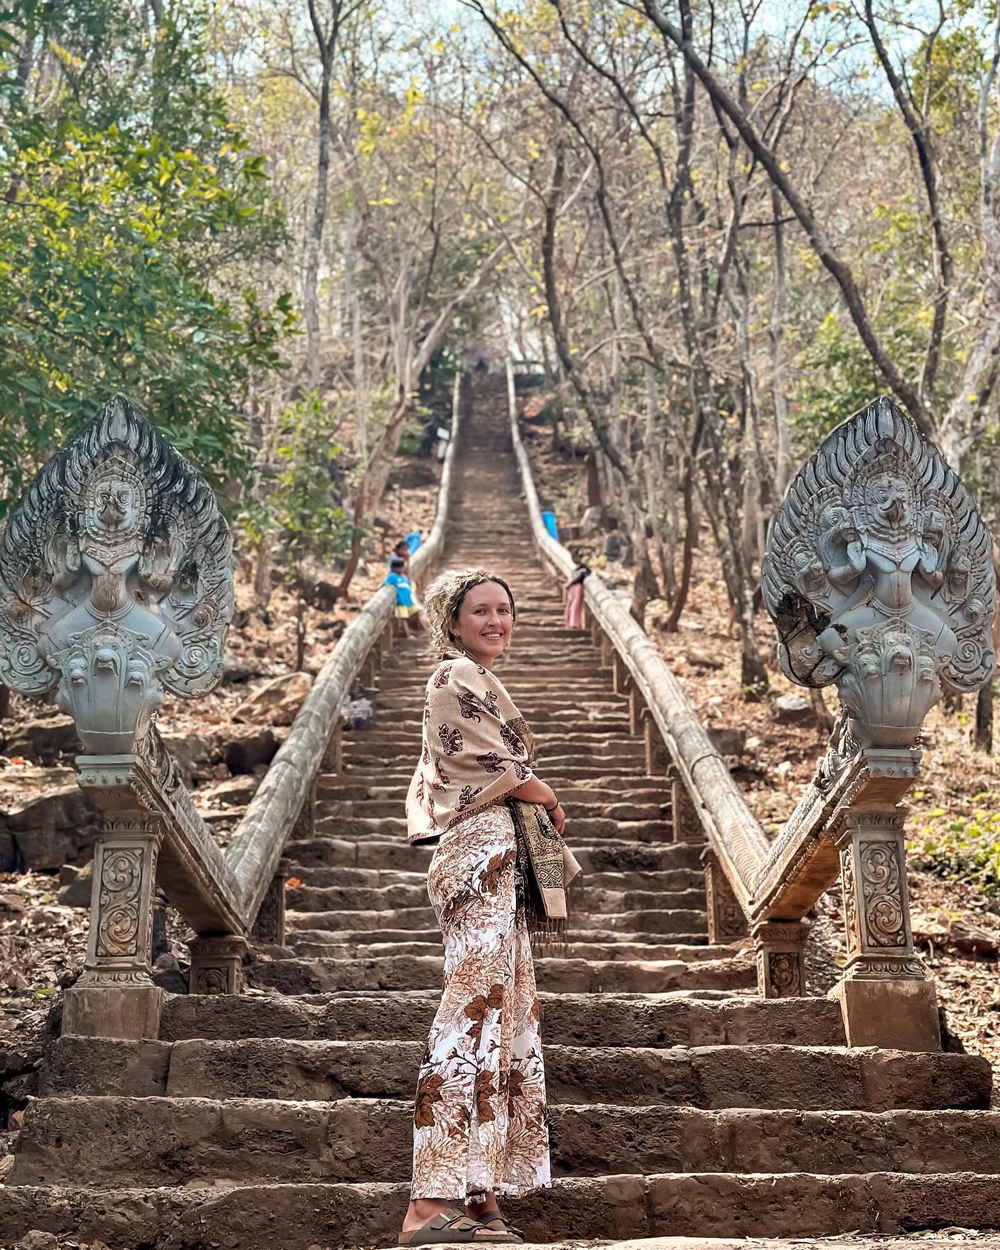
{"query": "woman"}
[(479, 1123), (575, 592)]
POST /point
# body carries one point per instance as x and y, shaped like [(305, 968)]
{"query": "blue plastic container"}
[(549, 521), (413, 541)]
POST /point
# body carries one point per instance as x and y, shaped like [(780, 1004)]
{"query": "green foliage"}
[(299, 503), (961, 849), (127, 204), (838, 376)]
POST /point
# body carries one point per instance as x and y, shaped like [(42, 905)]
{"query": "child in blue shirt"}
[(407, 608)]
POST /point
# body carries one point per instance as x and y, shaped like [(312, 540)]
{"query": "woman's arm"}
[(536, 791)]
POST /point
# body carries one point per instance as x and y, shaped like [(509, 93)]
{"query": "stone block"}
[(898, 1014), (126, 1011)]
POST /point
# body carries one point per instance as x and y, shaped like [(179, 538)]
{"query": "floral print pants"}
[(479, 1122)]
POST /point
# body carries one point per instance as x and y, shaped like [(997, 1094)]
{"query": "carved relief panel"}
[(876, 904), (879, 577)]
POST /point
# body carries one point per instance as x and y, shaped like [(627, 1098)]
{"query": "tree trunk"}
[(310, 284), (300, 628), (984, 719), (353, 304), (4, 701), (372, 484), (262, 575), (595, 496), (824, 717), (779, 313), (687, 556), (645, 586)]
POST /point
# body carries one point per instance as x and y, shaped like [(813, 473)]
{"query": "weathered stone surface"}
[(47, 830), (243, 748), (192, 754), (104, 1065), (230, 792), (808, 1078), (972, 938), (615, 1209), (46, 740), (276, 702), (567, 1019), (793, 709), (76, 891)]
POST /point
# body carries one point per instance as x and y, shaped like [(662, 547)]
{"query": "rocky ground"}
[(773, 746), (949, 1237)]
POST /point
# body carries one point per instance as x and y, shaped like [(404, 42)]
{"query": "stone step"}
[(565, 765), (700, 1018), (384, 784), (335, 899), (323, 944), (558, 750), (653, 833), (179, 1141), (364, 940), (575, 976), (710, 1077), (615, 1209), (662, 921), (615, 801), (607, 855), (372, 878), (583, 828)]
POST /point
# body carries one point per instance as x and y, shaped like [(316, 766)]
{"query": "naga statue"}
[(115, 581), (879, 576)]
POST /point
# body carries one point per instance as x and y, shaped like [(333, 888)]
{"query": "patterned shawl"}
[(476, 748)]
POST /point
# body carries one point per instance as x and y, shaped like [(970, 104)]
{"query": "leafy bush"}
[(961, 849)]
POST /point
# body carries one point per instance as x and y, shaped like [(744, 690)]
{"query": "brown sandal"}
[(494, 1217), (452, 1227)]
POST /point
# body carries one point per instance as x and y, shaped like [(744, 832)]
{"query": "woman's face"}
[(484, 623)]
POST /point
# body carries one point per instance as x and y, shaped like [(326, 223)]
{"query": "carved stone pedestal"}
[(726, 919), (269, 926), (687, 825), (884, 997), (621, 678), (115, 996), (780, 948), (217, 964), (305, 823), (658, 759), (333, 756), (636, 709)]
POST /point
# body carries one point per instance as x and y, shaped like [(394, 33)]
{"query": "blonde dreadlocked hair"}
[(443, 599)]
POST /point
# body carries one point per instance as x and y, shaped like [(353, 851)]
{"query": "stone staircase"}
[(680, 1103)]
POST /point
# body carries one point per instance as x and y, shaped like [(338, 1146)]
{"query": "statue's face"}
[(115, 505), (889, 499), (934, 530)]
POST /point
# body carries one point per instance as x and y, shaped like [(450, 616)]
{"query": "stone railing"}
[(879, 577), (115, 585)]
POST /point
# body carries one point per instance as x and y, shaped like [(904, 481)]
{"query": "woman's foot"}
[(422, 1210), (487, 1211)]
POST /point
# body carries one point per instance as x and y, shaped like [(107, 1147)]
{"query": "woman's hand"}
[(558, 818)]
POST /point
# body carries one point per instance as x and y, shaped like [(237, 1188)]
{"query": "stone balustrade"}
[(116, 586), (879, 577)]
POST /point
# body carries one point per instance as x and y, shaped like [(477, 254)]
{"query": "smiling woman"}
[(479, 1123)]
